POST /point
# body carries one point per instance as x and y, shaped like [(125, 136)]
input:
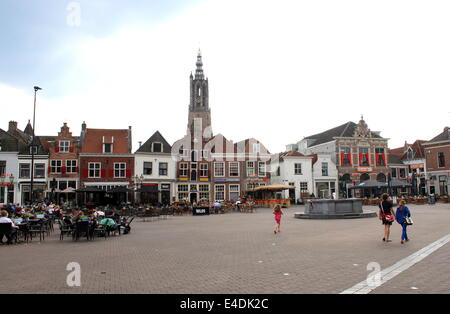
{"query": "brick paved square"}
[(233, 253)]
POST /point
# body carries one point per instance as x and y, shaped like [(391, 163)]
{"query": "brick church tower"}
[(199, 121)]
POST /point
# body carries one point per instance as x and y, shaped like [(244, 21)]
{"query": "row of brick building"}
[(99, 166)]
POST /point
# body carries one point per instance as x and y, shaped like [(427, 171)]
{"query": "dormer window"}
[(108, 144), (410, 153), (157, 148), (107, 148)]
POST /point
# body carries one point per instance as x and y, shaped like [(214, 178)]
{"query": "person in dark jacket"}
[(402, 212)]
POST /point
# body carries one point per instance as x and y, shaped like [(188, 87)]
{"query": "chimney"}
[(12, 126), (130, 144), (83, 126), (140, 144)]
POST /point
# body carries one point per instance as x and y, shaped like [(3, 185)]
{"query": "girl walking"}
[(277, 212), (386, 215), (401, 214)]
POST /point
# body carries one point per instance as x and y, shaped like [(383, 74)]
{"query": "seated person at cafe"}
[(110, 224), (19, 213), (76, 215), (5, 220), (112, 214)]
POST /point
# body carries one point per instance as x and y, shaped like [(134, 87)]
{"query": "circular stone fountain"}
[(334, 209)]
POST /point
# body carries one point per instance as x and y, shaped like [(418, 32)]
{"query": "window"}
[(262, 169), (183, 192), (148, 168), (364, 156), (157, 148), (297, 169), (120, 170), (183, 169), (234, 169), (62, 185), (256, 148), (204, 191), (94, 169), (410, 153), (72, 184), (234, 192), (380, 156), (33, 150), (24, 170), (219, 169), (55, 166), (64, 146), (163, 168), (2, 167), (303, 186), (184, 153), (71, 166), (402, 173), (205, 154), (250, 168), (324, 169), (204, 170), (39, 170), (346, 156), (220, 193), (441, 159), (107, 148), (394, 172), (194, 156)]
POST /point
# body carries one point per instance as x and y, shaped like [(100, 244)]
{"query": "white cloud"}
[(278, 70)]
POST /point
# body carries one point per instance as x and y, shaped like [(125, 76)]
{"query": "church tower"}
[(199, 121)]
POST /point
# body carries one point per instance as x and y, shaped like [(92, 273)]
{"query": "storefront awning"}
[(148, 189), (90, 189)]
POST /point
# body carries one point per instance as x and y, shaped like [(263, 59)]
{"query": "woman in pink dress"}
[(277, 212)]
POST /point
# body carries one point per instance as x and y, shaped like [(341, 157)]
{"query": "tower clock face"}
[(197, 99)]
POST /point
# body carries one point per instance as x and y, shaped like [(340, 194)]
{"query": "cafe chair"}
[(37, 227), (6, 231)]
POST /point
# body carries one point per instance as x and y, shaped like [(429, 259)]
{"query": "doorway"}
[(193, 198), (165, 197)]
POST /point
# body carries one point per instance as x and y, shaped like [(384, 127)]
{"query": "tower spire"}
[(199, 71)]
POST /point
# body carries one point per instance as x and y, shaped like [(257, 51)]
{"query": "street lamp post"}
[(36, 88)]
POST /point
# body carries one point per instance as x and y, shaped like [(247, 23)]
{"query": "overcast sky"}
[(278, 70)]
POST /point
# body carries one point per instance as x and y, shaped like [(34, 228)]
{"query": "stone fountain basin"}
[(335, 209)]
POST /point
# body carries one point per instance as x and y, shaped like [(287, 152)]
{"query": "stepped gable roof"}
[(155, 138)]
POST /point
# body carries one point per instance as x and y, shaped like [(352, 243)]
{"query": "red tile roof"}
[(94, 139)]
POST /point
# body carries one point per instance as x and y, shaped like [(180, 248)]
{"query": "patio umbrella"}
[(69, 190)]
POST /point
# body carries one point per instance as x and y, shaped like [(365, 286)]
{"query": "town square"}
[(124, 171)]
